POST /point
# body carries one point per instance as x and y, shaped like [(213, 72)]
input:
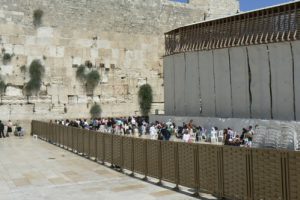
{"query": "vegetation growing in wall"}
[(36, 72), (81, 73), (89, 64), (145, 99), (91, 79), (6, 58), (2, 88), (23, 68), (95, 111), (37, 17)]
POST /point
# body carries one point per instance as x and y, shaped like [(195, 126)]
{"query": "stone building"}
[(123, 39)]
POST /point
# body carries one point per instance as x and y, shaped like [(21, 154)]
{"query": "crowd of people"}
[(9, 129), (187, 132)]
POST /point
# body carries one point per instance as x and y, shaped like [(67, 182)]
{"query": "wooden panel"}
[(117, 150), (267, 177), (86, 142), (100, 147), (235, 165), (128, 153), (169, 161), (93, 144), (208, 168), (154, 158), (187, 164), (108, 148), (139, 154)]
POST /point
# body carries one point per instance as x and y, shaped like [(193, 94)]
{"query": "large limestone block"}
[(30, 40), (7, 29), (6, 69), (45, 32), (105, 53), (34, 50), (13, 91), (17, 39), (83, 43), (82, 99), (105, 44), (19, 49), (8, 48)]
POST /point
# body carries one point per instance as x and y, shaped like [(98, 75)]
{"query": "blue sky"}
[(254, 4)]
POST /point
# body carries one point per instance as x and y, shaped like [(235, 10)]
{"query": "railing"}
[(229, 172), (268, 25)]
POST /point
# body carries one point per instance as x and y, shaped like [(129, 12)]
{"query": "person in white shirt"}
[(153, 132), (186, 136)]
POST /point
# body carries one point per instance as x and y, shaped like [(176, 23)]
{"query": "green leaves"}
[(145, 99), (36, 71), (91, 79), (95, 111), (80, 73), (37, 17), (2, 87), (6, 58)]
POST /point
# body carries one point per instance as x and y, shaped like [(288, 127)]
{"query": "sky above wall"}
[(255, 4), (252, 4)]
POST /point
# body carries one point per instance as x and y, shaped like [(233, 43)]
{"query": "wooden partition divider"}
[(225, 171), (86, 143), (93, 145)]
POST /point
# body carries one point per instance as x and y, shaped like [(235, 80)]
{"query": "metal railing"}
[(267, 25), (229, 172)]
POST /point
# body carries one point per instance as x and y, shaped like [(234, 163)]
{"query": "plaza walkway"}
[(35, 170)]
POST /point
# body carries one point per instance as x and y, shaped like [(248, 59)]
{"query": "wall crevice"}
[(249, 82), (270, 82), (293, 70), (230, 80), (214, 77)]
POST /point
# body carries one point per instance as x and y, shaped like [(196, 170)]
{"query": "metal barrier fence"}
[(263, 26), (227, 172)]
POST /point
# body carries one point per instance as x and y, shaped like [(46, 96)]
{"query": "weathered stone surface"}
[(122, 39)]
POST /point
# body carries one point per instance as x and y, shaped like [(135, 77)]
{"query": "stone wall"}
[(123, 39)]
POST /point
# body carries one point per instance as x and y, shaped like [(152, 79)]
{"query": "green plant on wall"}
[(37, 17), (6, 58), (2, 88), (92, 79), (81, 73), (95, 111), (145, 99), (36, 72), (23, 68)]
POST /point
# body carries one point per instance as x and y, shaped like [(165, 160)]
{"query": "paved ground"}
[(35, 170)]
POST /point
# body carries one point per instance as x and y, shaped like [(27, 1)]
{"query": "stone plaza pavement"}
[(33, 170)]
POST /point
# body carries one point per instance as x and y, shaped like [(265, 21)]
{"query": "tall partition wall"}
[(255, 81)]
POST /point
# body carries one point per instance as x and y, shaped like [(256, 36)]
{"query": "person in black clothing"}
[(165, 133), (1, 129)]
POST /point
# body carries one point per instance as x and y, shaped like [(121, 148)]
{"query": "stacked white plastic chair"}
[(287, 137), (213, 135), (297, 139), (220, 136), (272, 137), (259, 136)]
